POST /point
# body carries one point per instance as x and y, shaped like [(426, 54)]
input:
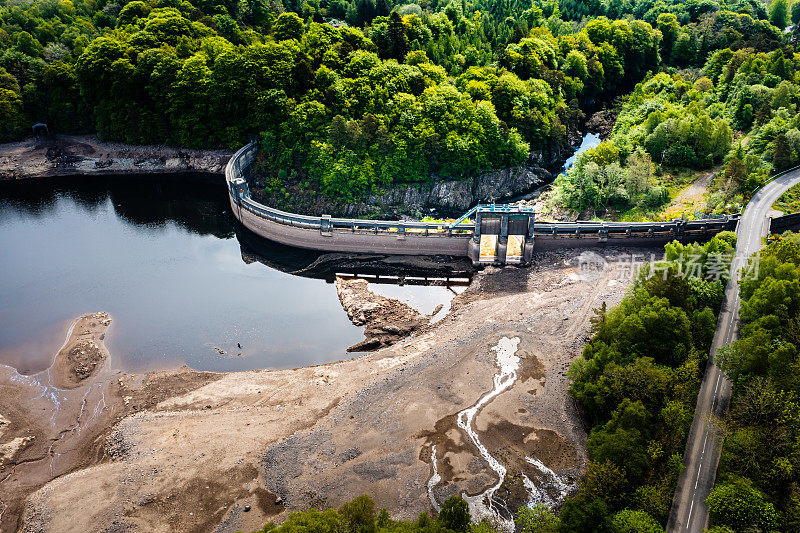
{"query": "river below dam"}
[(162, 257)]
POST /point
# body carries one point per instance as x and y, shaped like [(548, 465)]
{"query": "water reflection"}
[(379, 268), (180, 279), (192, 202)]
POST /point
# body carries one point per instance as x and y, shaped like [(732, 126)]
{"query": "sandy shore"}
[(191, 451), (67, 155)]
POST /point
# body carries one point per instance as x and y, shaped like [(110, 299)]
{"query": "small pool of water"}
[(161, 256), (426, 301)]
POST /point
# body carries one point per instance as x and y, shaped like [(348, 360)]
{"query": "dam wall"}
[(499, 234)]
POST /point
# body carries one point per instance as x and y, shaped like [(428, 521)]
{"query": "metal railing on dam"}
[(499, 234)]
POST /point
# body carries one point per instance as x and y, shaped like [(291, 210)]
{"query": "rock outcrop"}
[(602, 123), (385, 320), (459, 195), (415, 199)]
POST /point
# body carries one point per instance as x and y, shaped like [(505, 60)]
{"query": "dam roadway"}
[(689, 511), (488, 234)]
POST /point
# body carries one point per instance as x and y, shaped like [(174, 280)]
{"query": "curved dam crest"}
[(500, 234)]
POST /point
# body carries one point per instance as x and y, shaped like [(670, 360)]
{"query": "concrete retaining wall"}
[(417, 238), (322, 233), (785, 223)]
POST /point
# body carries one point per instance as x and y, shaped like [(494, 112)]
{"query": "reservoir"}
[(163, 257)]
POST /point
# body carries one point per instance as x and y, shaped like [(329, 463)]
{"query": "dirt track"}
[(203, 452)]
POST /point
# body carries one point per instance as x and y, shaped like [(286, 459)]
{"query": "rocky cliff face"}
[(446, 196), (65, 155), (602, 122), (457, 195)]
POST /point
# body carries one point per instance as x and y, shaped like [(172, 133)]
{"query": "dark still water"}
[(162, 257)]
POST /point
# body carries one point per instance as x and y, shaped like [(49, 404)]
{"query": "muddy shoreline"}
[(86, 155), (214, 452), (62, 418)]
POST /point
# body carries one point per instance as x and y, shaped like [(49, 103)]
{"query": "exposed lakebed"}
[(162, 257)]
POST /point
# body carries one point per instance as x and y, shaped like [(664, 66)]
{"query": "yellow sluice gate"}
[(515, 249), (503, 236), (488, 250)]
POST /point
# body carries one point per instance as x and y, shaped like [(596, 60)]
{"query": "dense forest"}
[(638, 380), (687, 120), (350, 96), (757, 484)]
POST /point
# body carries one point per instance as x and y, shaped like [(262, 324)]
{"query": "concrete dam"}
[(500, 234)]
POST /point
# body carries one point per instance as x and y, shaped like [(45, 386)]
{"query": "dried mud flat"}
[(192, 451)]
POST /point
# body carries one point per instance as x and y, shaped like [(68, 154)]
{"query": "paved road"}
[(689, 512)]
